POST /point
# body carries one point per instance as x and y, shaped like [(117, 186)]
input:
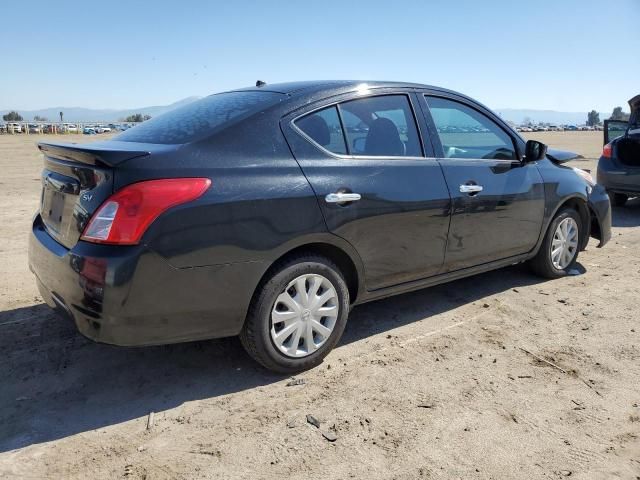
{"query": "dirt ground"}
[(435, 384)]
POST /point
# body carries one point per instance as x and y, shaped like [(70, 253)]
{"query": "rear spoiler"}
[(561, 156), (100, 153)]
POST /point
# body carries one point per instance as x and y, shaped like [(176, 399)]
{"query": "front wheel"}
[(559, 250), (297, 315)]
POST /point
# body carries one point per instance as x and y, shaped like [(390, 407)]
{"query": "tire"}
[(543, 263), (618, 199), (263, 337)]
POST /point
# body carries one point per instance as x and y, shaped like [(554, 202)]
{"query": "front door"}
[(365, 161), (497, 201)]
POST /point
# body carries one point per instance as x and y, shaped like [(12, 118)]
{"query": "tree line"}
[(14, 116), (593, 117), (138, 117)]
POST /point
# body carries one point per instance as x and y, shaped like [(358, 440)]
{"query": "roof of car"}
[(320, 89), (314, 86)]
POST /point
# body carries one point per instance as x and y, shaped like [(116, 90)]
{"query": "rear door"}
[(497, 202), (376, 188)]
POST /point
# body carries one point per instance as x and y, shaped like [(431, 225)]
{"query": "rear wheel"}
[(559, 250), (618, 199), (298, 314)]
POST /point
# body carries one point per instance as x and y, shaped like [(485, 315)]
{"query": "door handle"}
[(342, 197), (470, 188)]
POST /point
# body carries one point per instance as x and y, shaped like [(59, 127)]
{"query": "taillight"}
[(606, 151), (124, 217)]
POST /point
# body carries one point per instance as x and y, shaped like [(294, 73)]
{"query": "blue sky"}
[(569, 55)]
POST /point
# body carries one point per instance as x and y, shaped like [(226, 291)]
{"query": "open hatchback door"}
[(617, 128)]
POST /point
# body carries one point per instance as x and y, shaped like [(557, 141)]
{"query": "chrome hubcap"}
[(565, 243), (304, 315)]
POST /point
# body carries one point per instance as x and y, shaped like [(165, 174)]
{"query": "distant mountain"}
[(518, 116), (78, 114)]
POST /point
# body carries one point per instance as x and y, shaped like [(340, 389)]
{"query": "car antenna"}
[(260, 83)]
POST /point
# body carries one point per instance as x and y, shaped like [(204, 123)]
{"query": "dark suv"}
[(619, 165), (269, 212)]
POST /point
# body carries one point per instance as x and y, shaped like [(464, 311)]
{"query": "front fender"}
[(563, 187)]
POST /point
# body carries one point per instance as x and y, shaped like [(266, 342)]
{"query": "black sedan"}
[(619, 165), (269, 212)]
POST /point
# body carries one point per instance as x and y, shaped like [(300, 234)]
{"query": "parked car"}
[(89, 131), (14, 127), (269, 212), (619, 164), (68, 128), (35, 128)]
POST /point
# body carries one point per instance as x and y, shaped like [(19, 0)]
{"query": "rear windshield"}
[(199, 119)]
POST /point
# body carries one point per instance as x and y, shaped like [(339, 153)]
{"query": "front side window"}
[(323, 127), (381, 126), (466, 133)]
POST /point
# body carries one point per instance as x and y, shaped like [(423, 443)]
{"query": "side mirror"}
[(534, 151)]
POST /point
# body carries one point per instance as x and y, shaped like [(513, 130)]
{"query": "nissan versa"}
[(268, 212)]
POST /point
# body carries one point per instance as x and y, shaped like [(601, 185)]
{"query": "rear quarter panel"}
[(259, 201)]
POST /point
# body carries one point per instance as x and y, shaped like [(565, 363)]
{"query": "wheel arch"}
[(348, 263), (580, 205)]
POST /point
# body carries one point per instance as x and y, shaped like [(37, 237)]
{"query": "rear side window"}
[(324, 128), (466, 133), (381, 126), (201, 118)]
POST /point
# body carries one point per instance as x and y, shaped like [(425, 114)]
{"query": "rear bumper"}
[(600, 207), (617, 178), (131, 296)]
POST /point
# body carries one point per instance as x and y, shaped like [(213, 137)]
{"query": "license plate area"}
[(59, 196), (52, 209)]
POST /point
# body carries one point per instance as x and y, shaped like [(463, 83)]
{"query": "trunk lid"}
[(76, 179)]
